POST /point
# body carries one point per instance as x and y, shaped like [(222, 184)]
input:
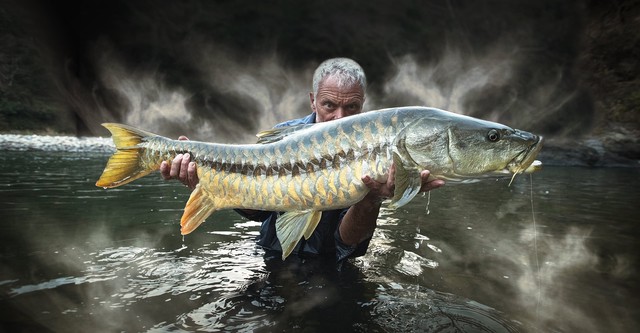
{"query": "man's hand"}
[(181, 169), (359, 222), (381, 191)]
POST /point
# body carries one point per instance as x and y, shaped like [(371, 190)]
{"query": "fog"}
[(222, 71)]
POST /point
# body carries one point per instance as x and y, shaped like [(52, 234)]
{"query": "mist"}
[(223, 71)]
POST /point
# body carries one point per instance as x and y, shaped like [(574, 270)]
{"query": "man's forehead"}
[(339, 82), (339, 88)]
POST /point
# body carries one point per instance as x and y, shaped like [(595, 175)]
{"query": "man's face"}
[(335, 101)]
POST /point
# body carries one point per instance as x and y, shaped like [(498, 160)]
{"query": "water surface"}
[(555, 255)]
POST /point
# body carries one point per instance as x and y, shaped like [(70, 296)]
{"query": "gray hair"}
[(347, 71)]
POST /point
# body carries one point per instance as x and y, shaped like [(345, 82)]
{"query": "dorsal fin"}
[(277, 134)]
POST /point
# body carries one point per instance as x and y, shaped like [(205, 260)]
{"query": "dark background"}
[(221, 70)]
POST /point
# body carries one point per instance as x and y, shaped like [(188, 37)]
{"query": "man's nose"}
[(339, 113)]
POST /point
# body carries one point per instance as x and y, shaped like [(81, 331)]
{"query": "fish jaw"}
[(526, 161)]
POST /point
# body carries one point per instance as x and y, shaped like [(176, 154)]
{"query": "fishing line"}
[(535, 248)]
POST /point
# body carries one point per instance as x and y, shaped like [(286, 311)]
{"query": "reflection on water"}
[(79, 258)]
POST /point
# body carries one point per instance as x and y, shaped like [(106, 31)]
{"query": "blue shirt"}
[(325, 240)]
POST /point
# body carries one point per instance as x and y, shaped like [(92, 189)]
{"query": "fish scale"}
[(232, 170), (311, 168), (221, 172)]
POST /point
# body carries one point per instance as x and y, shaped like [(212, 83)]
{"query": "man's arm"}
[(359, 222)]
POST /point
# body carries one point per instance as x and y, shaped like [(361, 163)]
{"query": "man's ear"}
[(312, 102)]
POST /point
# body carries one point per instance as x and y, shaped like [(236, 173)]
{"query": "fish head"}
[(456, 147), (491, 149)]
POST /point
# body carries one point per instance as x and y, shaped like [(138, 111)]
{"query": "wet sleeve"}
[(258, 216), (344, 251)]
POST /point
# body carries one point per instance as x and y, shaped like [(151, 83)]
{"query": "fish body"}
[(306, 169)]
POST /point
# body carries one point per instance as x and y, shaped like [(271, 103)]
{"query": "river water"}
[(555, 252)]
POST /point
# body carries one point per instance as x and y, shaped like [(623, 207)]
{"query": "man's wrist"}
[(371, 201)]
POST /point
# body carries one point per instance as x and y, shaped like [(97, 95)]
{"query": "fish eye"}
[(493, 135)]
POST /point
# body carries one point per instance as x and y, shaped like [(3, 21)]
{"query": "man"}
[(339, 86)]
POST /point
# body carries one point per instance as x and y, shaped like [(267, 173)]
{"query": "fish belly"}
[(288, 187)]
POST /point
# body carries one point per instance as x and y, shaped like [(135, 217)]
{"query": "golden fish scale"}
[(322, 170)]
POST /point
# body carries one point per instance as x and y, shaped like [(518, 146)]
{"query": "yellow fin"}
[(125, 136), (125, 165), (291, 226), (198, 208), (314, 219)]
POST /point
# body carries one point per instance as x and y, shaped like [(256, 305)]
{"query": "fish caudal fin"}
[(198, 208), (125, 164), (292, 226)]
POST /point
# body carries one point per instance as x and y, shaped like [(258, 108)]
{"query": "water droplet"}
[(428, 202)]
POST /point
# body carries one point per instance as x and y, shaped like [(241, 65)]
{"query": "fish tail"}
[(126, 164)]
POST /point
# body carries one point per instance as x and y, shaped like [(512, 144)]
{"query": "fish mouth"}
[(526, 160)]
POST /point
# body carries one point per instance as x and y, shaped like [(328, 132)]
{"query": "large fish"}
[(303, 170)]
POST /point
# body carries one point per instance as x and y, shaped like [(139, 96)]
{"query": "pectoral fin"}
[(408, 183), (198, 208), (291, 226)]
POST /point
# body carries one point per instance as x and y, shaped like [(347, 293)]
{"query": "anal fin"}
[(198, 208), (292, 226)]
